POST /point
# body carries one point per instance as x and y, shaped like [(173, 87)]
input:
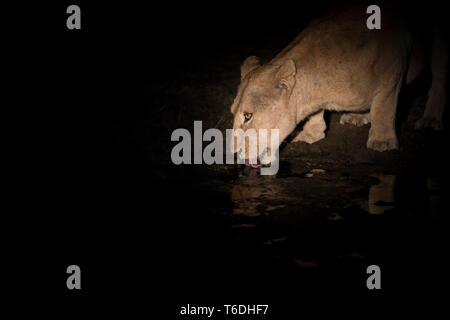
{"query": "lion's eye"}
[(248, 116)]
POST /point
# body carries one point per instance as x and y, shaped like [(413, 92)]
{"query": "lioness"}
[(338, 64)]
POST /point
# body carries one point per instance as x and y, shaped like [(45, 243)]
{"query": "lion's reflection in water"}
[(381, 195), (257, 196)]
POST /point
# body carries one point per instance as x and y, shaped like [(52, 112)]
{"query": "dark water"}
[(316, 226)]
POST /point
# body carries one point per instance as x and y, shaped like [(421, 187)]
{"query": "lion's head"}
[(262, 102)]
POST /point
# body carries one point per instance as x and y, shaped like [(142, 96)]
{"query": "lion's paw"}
[(382, 145), (427, 122), (356, 119)]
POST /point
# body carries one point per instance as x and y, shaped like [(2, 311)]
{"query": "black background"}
[(81, 206)]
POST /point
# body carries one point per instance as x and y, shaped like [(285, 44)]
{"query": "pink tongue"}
[(253, 165)]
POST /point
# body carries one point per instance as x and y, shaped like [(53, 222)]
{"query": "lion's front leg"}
[(313, 130), (382, 135)]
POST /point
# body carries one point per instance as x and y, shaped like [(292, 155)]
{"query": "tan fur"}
[(335, 64)]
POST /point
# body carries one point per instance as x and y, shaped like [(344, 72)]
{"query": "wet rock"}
[(335, 216), (274, 241), (306, 264)]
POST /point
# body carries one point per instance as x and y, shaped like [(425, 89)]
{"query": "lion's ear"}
[(249, 64), (285, 76)]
